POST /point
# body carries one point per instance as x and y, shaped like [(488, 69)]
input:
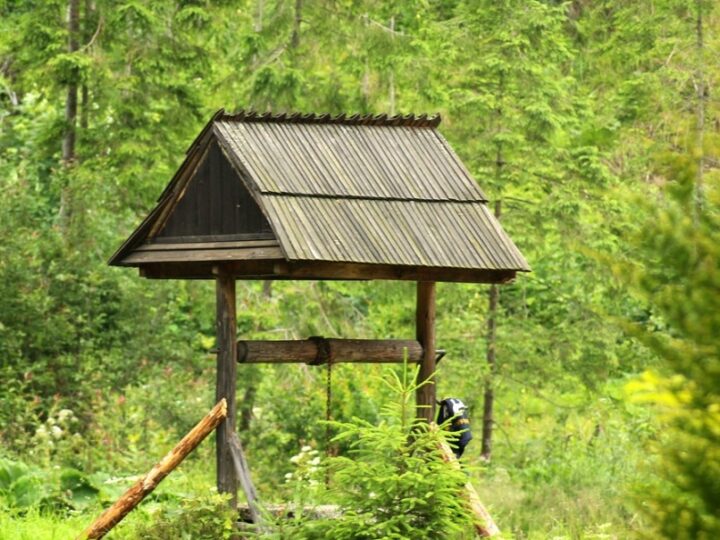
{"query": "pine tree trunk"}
[(71, 105), (489, 395), (84, 94), (701, 90), (71, 101), (392, 71), (493, 299), (295, 40)]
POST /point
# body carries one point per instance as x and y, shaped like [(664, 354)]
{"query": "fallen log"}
[(290, 511), (484, 524), (132, 497)]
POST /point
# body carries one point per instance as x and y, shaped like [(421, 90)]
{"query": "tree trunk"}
[(132, 497), (489, 395), (71, 105), (84, 94), (246, 407), (71, 101), (295, 40), (701, 97), (392, 71)]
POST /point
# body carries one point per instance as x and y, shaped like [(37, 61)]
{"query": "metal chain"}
[(328, 406), (328, 417)]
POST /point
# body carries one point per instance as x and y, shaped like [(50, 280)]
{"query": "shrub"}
[(393, 483)]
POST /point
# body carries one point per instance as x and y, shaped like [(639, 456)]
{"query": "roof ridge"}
[(347, 197), (408, 120)]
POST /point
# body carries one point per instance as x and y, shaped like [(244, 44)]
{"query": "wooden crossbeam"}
[(319, 351)]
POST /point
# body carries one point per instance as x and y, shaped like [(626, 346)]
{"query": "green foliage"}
[(23, 487), (198, 517), (393, 481), (568, 112), (680, 279)]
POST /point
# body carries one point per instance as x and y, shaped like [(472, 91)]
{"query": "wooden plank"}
[(194, 255), (317, 351), (226, 329), (132, 497), (156, 246), (425, 329), (203, 238)]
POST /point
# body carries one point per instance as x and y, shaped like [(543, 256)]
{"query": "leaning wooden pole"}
[(132, 497), (425, 330), (243, 474), (484, 524), (226, 328)]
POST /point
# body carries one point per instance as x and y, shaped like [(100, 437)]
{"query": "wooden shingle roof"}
[(323, 197)]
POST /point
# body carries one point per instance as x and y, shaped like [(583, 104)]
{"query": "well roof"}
[(371, 191)]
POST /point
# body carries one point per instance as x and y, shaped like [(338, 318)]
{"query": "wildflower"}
[(65, 414)]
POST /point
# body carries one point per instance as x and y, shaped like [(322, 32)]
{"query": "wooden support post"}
[(425, 330), (226, 328), (132, 497)]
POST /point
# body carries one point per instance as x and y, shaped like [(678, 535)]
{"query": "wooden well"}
[(321, 198)]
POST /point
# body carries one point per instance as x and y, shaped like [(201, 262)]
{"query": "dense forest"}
[(594, 123)]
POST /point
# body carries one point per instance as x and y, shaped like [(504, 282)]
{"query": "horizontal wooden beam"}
[(318, 351), (361, 271), (164, 255), (311, 270)]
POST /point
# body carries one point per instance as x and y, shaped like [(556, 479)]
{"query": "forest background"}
[(594, 122)]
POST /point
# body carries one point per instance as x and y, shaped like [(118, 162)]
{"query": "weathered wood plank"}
[(425, 329), (226, 328), (179, 246), (132, 497), (210, 238), (317, 351), (196, 255)]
